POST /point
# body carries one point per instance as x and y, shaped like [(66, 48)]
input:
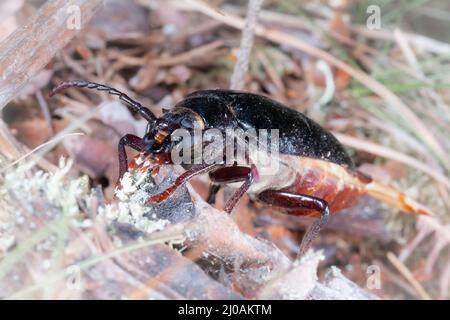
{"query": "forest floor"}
[(384, 92)]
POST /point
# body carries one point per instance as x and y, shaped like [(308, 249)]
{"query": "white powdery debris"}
[(131, 208), (57, 190), (132, 213), (127, 187)]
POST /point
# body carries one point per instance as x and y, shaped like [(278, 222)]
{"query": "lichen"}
[(133, 207), (26, 197)]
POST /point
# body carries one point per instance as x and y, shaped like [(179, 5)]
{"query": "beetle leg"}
[(213, 189), (234, 174), (186, 176), (291, 200), (129, 140)]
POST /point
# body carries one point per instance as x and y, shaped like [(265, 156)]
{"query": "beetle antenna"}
[(132, 104)]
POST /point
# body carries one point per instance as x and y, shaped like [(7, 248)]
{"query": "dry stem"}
[(241, 67)]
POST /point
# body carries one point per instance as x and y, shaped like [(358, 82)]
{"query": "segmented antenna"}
[(132, 104)]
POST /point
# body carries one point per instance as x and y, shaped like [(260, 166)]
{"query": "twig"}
[(408, 276), (272, 73), (243, 55), (187, 56), (28, 49)]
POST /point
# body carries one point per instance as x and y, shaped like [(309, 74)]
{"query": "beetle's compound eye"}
[(156, 142), (148, 141)]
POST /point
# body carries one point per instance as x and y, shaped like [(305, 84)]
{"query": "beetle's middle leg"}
[(212, 193), (291, 200), (232, 174)]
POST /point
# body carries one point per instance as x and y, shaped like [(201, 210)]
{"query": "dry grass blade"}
[(11, 149), (389, 153), (408, 276), (189, 55), (48, 143), (418, 41)]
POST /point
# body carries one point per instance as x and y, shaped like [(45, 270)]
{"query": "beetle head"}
[(157, 139), (158, 136)]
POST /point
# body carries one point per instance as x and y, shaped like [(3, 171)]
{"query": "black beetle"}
[(317, 176)]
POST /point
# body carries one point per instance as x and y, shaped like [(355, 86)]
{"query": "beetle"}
[(316, 177)]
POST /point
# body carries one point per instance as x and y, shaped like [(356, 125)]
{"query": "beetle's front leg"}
[(182, 179), (291, 200), (129, 140)]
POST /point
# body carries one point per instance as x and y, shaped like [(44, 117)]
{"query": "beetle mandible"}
[(317, 177)]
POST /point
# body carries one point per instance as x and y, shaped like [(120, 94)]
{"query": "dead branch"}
[(28, 49)]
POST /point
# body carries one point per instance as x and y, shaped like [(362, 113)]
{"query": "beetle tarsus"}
[(313, 231)]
